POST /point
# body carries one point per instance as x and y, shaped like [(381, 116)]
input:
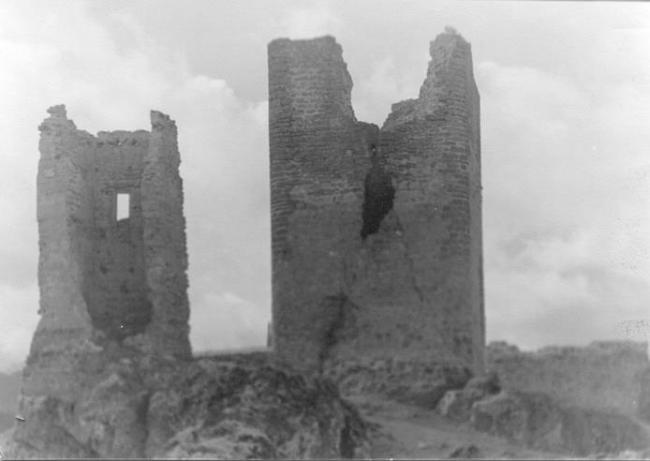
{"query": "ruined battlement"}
[(311, 81), (109, 277), (376, 233), (449, 82)]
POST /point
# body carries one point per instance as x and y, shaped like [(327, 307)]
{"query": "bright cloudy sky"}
[(565, 105)]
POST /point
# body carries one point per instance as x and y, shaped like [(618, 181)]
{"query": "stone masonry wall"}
[(116, 290), (319, 157), (165, 256), (105, 284), (432, 146), (376, 233), (64, 219)]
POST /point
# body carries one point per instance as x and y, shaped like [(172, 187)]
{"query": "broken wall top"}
[(376, 233), (108, 281)]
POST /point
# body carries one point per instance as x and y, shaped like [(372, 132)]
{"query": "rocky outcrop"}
[(457, 403), (227, 411), (225, 407), (537, 421), (407, 381), (586, 399), (526, 418), (612, 376)]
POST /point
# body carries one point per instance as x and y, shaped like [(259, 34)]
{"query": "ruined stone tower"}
[(109, 278), (376, 233)]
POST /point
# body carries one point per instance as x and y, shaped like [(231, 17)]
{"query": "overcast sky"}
[(565, 112)]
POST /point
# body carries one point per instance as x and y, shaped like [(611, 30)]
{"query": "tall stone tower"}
[(376, 233), (112, 267)]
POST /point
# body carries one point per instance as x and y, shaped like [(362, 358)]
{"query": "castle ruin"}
[(376, 248), (376, 233), (109, 278), (377, 282)]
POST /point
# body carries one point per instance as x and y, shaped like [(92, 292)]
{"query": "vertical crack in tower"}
[(417, 281)]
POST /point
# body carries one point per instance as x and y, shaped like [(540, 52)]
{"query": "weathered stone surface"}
[(376, 234), (6, 442), (110, 288), (605, 375), (586, 431), (211, 408), (112, 417), (104, 280), (465, 452), (406, 381), (457, 403), (526, 418), (486, 384), (537, 421), (230, 411), (45, 432), (644, 396)]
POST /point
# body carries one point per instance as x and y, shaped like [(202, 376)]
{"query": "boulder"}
[(537, 421), (457, 404), (409, 381), (586, 431), (486, 384), (220, 410), (504, 415), (606, 374)]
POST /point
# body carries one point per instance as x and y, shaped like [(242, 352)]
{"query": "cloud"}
[(309, 22), (385, 85), (566, 197), (226, 322), (18, 306), (564, 123), (567, 208)]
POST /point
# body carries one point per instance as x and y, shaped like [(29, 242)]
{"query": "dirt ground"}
[(403, 431)]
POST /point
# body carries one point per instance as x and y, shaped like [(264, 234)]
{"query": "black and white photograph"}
[(324, 229)]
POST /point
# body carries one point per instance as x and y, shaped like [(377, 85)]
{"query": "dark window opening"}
[(123, 206)]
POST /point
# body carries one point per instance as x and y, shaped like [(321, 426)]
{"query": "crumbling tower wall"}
[(319, 156), (432, 146), (105, 282), (376, 234)]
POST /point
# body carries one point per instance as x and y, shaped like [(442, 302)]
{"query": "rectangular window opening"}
[(123, 206)]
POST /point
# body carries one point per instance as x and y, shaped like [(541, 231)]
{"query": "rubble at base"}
[(414, 382), (537, 415), (216, 407)]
